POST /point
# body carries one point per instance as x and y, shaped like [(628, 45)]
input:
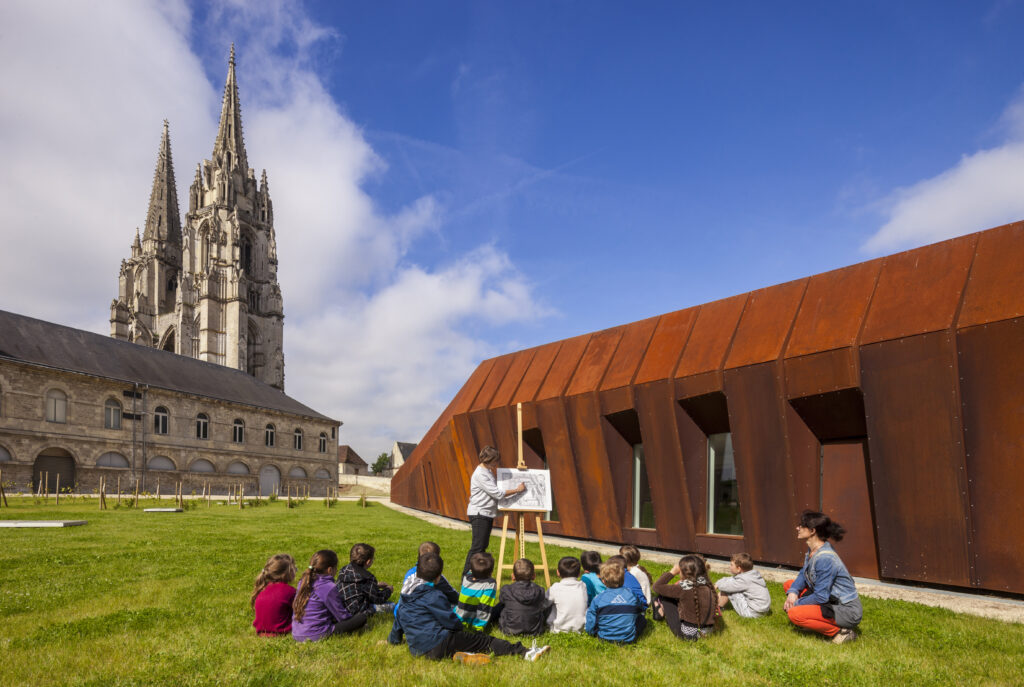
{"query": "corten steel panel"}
[(992, 391), (995, 289), (670, 494), (513, 378), (698, 385), (493, 381), (666, 346), (629, 353), (919, 291), (821, 372), (458, 476), (643, 538), (804, 456), (712, 333), (833, 309), (446, 440), (763, 471), (765, 324), (466, 450), (916, 458), (585, 428), (503, 422), (594, 362), (483, 435), (619, 453), (535, 374), (566, 482), (694, 446), (616, 400), (563, 367), (846, 498)]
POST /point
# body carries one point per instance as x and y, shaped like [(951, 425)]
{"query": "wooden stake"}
[(543, 553), (3, 494), (158, 489), (241, 496), (119, 490), (57, 493), (136, 493)]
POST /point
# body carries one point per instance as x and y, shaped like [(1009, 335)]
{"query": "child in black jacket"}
[(524, 605), (359, 590)]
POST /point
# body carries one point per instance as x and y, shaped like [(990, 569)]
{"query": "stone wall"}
[(25, 434)]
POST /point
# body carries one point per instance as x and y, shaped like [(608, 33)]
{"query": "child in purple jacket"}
[(318, 611)]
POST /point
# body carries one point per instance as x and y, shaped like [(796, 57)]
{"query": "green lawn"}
[(150, 598)]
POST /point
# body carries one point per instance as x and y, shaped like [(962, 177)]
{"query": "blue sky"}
[(456, 180)]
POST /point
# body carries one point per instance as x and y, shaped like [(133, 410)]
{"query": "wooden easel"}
[(519, 522)]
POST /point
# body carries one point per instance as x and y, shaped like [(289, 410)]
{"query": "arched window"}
[(268, 436), (112, 414), (56, 406), (238, 468), (322, 474), (238, 432), (297, 473), (112, 460), (323, 443), (160, 420), (161, 463), (202, 465), (297, 440), (5, 455), (202, 426)]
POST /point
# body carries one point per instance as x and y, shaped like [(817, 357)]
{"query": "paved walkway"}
[(999, 608)]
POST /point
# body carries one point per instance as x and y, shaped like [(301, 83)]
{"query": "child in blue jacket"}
[(616, 614), (426, 619)]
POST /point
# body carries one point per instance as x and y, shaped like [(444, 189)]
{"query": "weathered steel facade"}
[(889, 393)]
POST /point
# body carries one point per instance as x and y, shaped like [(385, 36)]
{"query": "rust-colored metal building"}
[(889, 394)]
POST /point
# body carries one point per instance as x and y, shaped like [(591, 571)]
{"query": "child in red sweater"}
[(272, 597)]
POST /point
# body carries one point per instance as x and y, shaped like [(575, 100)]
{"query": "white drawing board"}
[(538, 489)]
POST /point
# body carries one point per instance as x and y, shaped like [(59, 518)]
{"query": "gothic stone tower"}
[(209, 289)]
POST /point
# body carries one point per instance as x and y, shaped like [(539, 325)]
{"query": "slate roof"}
[(406, 449), (37, 342), (346, 454)]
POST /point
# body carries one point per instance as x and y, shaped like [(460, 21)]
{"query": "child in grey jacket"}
[(745, 590)]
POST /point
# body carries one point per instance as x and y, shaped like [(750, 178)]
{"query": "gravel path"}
[(986, 606)]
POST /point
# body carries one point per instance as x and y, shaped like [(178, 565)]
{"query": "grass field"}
[(147, 598)]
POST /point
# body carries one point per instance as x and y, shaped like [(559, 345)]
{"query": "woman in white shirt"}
[(483, 501)]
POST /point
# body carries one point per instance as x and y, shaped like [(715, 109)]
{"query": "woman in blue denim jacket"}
[(823, 597)]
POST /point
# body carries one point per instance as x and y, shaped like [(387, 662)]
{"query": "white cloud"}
[(371, 337), (983, 190)]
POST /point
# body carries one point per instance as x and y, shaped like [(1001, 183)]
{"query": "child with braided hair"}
[(691, 606), (272, 597), (317, 610)]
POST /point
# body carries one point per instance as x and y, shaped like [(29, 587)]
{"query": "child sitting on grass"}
[(410, 581), (568, 598), (524, 606), (745, 590), (478, 594), (616, 614), (358, 587), (272, 597), (425, 617), (629, 581), (318, 611), (633, 567), (591, 562), (690, 607)]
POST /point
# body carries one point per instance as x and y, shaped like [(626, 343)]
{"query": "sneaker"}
[(536, 652), (471, 659), (844, 635)]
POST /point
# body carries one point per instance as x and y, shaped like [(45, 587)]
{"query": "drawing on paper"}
[(538, 489)]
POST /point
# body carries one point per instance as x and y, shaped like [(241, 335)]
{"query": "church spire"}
[(228, 148), (163, 222)]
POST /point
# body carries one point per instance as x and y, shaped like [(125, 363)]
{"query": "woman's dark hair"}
[(318, 565), (822, 525), (489, 454)]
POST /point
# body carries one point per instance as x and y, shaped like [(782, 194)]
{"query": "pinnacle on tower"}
[(229, 147), (162, 220)]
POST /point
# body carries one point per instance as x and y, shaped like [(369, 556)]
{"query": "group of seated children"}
[(319, 607), (608, 601)]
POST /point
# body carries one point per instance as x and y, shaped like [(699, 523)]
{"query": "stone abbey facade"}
[(208, 289), (82, 406)]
